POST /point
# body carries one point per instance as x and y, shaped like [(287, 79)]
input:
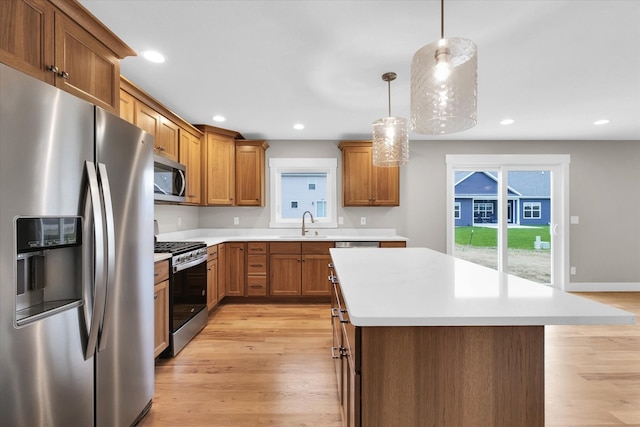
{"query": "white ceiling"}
[(553, 66)]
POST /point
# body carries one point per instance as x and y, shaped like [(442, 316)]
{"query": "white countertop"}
[(213, 236), (422, 287)]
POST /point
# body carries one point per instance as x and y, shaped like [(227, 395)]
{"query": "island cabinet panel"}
[(453, 376), (222, 271)]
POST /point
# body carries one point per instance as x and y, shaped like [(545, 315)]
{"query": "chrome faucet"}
[(304, 231)]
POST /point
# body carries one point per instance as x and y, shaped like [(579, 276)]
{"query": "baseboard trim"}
[(603, 287)]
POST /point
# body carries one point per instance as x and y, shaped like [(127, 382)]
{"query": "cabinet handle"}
[(156, 274), (257, 265), (64, 75), (53, 69), (334, 312), (340, 315), (341, 352), (255, 286)]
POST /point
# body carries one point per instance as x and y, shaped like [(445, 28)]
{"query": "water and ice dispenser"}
[(48, 266)]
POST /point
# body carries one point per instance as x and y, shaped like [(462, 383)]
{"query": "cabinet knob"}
[(64, 75), (53, 69), (155, 296)]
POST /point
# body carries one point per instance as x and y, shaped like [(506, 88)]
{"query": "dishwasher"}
[(358, 244)]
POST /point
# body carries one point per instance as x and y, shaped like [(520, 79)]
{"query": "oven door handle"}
[(197, 261)]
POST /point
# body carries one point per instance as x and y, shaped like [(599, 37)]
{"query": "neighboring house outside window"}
[(456, 210)]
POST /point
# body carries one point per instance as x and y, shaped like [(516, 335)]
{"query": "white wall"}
[(604, 180)]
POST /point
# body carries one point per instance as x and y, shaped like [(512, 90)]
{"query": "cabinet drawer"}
[(285, 248), (257, 286), (212, 252), (259, 248), (161, 271), (257, 264), (319, 248)]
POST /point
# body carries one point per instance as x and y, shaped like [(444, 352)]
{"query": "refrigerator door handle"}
[(94, 294), (110, 258)]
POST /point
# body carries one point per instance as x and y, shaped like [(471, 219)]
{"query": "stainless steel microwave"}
[(169, 180)]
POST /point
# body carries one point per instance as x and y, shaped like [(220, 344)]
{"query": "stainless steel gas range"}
[(187, 292)]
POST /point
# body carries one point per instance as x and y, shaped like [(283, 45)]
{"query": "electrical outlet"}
[(340, 220), (575, 220), (573, 271), (236, 220), (363, 220), (179, 221)]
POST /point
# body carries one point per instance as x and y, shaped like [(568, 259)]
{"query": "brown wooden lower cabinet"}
[(484, 376), (161, 307), (299, 268), (212, 277), (235, 269)]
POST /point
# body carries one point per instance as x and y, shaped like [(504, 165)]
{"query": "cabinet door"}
[(222, 271), (168, 139), (285, 271), (315, 273), (26, 37), (91, 71), (190, 156), (161, 317), (249, 175), (127, 107), (220, 169), (235, 269), (212, 284), (356, 176), (147, 119), (386, 186)]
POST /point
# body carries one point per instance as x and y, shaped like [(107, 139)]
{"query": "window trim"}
[(278, 166)]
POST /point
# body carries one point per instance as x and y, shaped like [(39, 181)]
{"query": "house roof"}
[(526, 184)]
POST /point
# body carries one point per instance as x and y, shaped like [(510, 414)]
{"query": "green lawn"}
[(518, 238)]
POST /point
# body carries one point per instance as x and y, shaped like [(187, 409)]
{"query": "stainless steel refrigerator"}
[(76, 260)]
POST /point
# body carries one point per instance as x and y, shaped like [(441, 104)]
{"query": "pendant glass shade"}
[(390, 142), (444, 78)]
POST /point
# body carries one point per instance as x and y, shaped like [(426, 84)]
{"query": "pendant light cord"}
[(441, 19), (389, 95)]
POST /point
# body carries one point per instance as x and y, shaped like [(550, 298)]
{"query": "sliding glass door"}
[(508, 212)]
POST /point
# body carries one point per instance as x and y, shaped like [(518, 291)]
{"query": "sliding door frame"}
[(558, 164)]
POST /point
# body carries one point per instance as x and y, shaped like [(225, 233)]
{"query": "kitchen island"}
[(425, 339)]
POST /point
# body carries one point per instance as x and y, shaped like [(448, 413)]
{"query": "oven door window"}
[(188, 294)]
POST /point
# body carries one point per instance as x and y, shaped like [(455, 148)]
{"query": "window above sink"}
[(303, 184)]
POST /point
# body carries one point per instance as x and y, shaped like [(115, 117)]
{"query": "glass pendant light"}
[(390, 136), (444, 85)]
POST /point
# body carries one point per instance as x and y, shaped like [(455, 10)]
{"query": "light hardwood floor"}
[(270, 365)]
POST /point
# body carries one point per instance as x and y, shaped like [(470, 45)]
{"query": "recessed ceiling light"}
[(153, 56), (298, 126), (506, 122), (218, 118), (601, 122)]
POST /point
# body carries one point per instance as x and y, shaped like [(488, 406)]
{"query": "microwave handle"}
[(183, 183)]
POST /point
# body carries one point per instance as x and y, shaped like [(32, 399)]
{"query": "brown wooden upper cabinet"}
[(190, 156), (250, 172), (364, 184), (233, 169), (61, 43), (174, 138)]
